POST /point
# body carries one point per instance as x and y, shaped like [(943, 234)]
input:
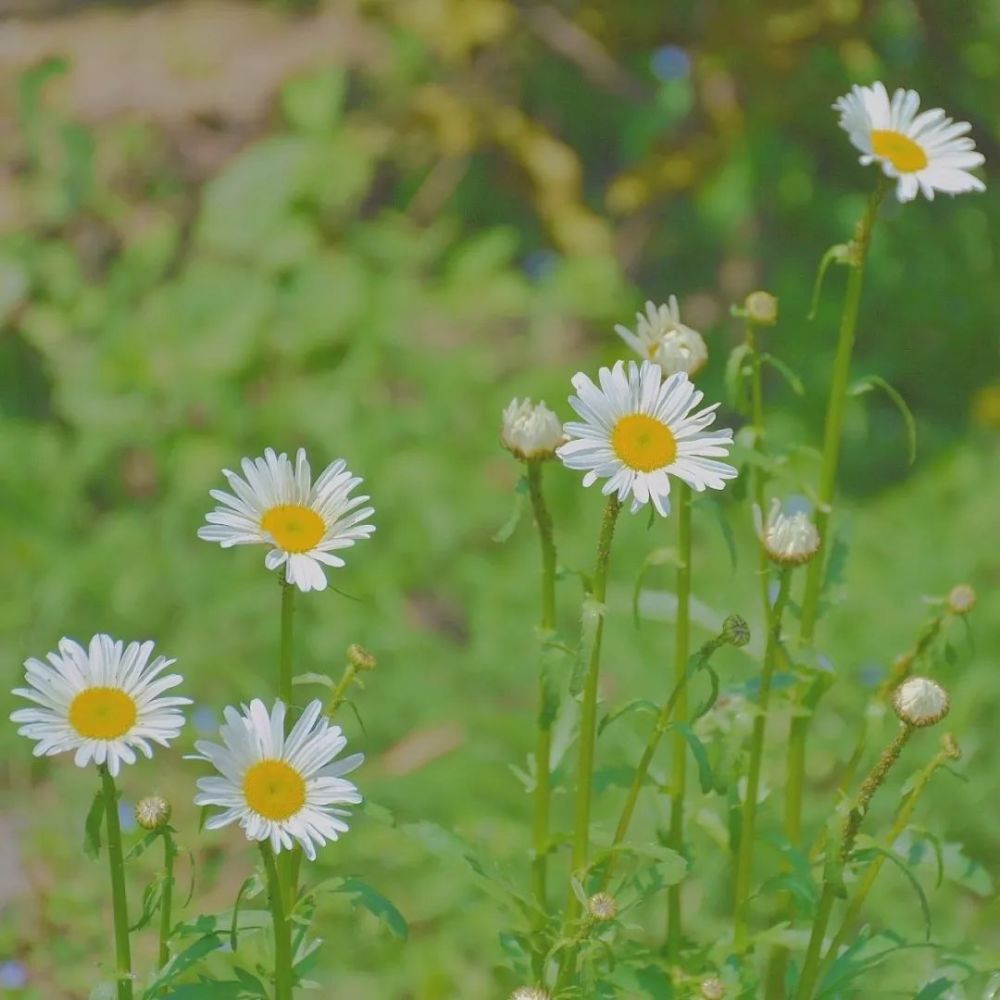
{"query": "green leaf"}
[(786, 372), (140, 848), (870, 382), (92, 827), (637, 705), (251, 887), (513, 519), (207, 989), (868, 853), (839, 252), (705, 777), (718, 508), (313, 103), (370, 899), (151, 897), (319, 679), (658, 557), (936, 988), (736, 373), (182, 961)]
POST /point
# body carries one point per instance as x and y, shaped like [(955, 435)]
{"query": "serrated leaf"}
[(870, 382), (140, 848), (183, 961), (151, 897), (364, 895), (92, 827)]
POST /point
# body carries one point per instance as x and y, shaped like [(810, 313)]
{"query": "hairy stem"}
[(167, 896)]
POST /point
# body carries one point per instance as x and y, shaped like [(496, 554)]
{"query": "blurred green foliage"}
[(406, 245)]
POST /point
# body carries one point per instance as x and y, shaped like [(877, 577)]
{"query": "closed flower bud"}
[(712, 988), (950, 746), (961, 599), (360, 658), (530, 431), (920, 701), (789, 539), (152, 813), (761, 308), (735, 631), (602, 906), (529, 993)]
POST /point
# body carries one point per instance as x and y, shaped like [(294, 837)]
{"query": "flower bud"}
[(735, 631), (961, 599), (530, 431), (789, 539), (152, 812), (712, 988), (950, 746), (919, 701), (529, 993), (360, 658), (602, 906), (761, 308)]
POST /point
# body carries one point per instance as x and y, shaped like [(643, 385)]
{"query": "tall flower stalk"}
[(116, 865), (281, 925), (678, 761)]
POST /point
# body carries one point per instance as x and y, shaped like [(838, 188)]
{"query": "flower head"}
[(602, 906), (152, 812), (919, 701), (304, 522), (789, 537), (735, 630), (529, 993), (961, 599), (712, 988), (530, 430), (638, 429), (927, 152), (103, 702), (280, 789), (662, 338), (761, 308)]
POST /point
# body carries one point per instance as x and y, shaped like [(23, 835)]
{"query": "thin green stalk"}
[(281, 920), (588, 731), (810, 967), (853, 910), (116, 864), (546, 708), (744, 858), (678, 762), (287, 644), (337, 695), (167, 895), (757, 422)]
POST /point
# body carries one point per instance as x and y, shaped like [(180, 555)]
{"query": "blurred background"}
[(362, 227)]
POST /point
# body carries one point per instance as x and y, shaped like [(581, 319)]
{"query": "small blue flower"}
[(13, 975)]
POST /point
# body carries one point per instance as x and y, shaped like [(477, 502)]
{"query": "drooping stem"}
[(116, 864), (167, 895), (853, 910), (281, 920), (546, 701), (744, 858), (678, 761), (588, 730)]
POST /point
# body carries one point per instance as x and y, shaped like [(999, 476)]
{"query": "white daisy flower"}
[(789, 536), (638, 429), (103, 702), (279, 788), (919, 701), (530, 431), (278, 504), (927, 152), (661, 337)]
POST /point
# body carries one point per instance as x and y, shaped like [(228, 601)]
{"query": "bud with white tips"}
[(789, 538), (602, 906), (961, 599), (662, 338), (735, 631), (919, 701), (530, 431), (152, 812), (712, 989), (529, 993), (761, 308)]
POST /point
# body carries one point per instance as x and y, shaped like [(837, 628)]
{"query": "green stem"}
[(546, 706), (337, 696), (167, 896), (744, 858), (678, 761), (588, 732), (864, 886), (810, 968), (759, 477), (116, 863), (287, 645), (280, 918)]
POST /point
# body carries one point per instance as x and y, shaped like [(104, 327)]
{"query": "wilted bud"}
[(735, 631), (761, 308), (950, 746), (359, 657), (712, 988), (530, 431), (153, 812), (789, 539), (919, 701), (961, 599), (529, 993), (602, 906)]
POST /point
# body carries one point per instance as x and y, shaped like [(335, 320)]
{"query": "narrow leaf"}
[(868, 853), (870, 382), (92, 827), (794, 382)]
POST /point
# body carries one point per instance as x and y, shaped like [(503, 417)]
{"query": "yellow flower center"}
[(294, 528), (274, 789), (643, 443), (900, 150), (102, 713)]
